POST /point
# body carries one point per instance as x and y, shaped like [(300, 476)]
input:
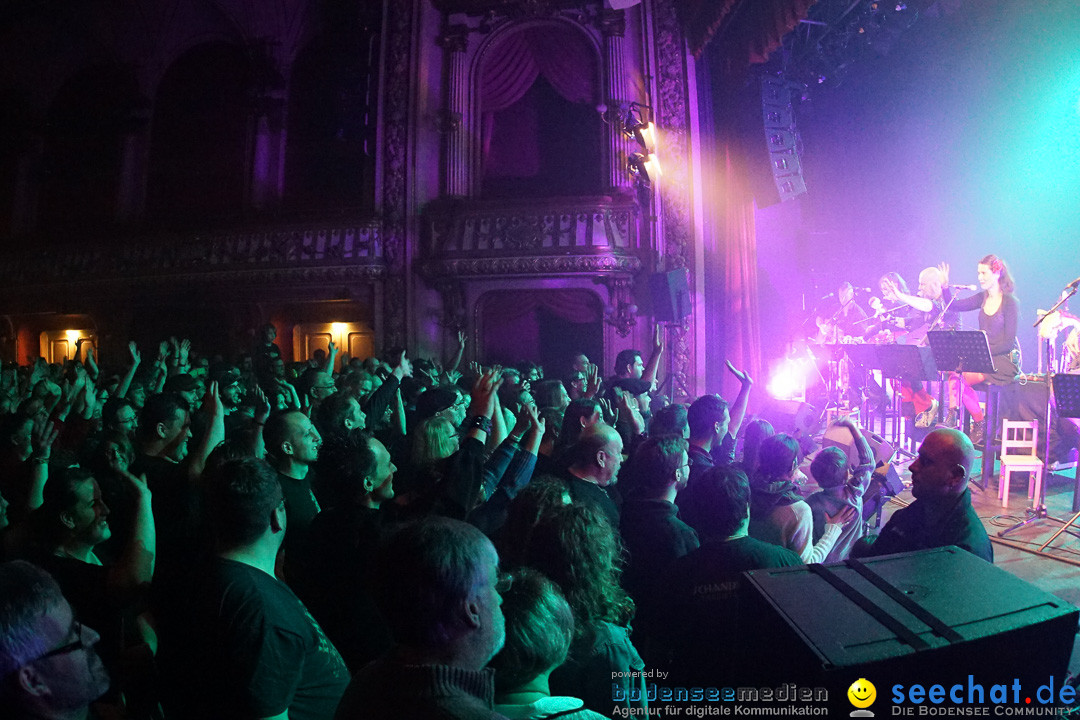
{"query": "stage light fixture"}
[(644, 164)]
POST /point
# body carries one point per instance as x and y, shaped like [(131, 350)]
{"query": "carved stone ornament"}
[(400, 18), (531, 265), (672, 116), (621, 312)]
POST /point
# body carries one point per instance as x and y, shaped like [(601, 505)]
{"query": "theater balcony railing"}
[(310, 252), (547, 236), (589, 238)]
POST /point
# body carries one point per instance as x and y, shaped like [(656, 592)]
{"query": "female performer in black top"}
[(998, 313)]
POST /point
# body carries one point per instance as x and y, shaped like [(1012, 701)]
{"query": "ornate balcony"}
[(548, 236), (341, 250)]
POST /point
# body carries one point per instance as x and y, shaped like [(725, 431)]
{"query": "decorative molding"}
[(621, 312), (400, 19), (563, 225), (613, 23), (452, 291), (455, 38), (675, 199), (265, 250), (530, 265)]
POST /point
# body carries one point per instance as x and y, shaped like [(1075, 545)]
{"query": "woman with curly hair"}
[(578, 550)]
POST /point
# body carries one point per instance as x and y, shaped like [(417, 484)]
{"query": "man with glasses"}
[(48, 665)]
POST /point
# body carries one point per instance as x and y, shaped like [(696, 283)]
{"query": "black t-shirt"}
[(246, 647), (335, 581)]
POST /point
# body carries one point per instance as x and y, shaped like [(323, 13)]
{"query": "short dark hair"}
[(718, 503), (546, 392), (423, 573), (624, 358), (777, 456), (654, 464), (829, 468), (571, 424), (112, 408), (276, 430), (345, 460), (704, 412), (670, 420), (28, 593), (539, 630), (160, 408), (241, 494), (330, 416)]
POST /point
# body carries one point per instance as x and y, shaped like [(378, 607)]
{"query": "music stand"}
[(961, 351), (1067, 396), (909, 362), (965, 351)]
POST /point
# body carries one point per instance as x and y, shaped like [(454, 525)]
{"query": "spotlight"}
[(639, 168), (636, 128)]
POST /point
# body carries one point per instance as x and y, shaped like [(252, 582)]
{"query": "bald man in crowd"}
[(941, 514)]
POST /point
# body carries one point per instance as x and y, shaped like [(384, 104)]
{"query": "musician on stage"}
[(849, 316), (895, 317), (931, 300), (915, 316), (998, 315)]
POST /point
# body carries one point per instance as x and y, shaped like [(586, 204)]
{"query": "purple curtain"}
[(512, 65), (509, 318)]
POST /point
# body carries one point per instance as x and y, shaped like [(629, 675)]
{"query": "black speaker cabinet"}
[(933, 617), (670, 296)]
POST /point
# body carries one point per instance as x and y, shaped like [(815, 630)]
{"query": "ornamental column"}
[(457, 171), (613, 28)]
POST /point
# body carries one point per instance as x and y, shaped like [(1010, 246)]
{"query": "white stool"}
[(1019, 452)]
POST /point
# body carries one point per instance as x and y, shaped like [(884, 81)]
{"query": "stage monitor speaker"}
[(839, 436), (670, 296), (931, 617), (795, 418)]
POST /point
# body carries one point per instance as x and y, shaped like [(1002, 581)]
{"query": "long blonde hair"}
[(432, 441)]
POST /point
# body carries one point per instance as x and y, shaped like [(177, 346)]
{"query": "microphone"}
[(970, 287), (1073, 284), (826, 297), (863, 289)]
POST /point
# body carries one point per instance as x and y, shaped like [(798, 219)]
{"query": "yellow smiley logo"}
[(862, 693)]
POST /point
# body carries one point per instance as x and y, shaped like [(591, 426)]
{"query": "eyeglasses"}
[(504, 582), (77, 644)]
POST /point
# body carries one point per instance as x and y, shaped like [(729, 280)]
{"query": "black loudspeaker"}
[(933, 617), (798, 419), (670, 296)]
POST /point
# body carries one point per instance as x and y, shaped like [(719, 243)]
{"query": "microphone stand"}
[(1037, 511)]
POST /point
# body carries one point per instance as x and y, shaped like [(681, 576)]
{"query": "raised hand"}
[(461, 338), (741, 375), (42, 437), (484, 392), (262, 406), (136, 356), (592, 380), (943, 268), (658, 339)]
